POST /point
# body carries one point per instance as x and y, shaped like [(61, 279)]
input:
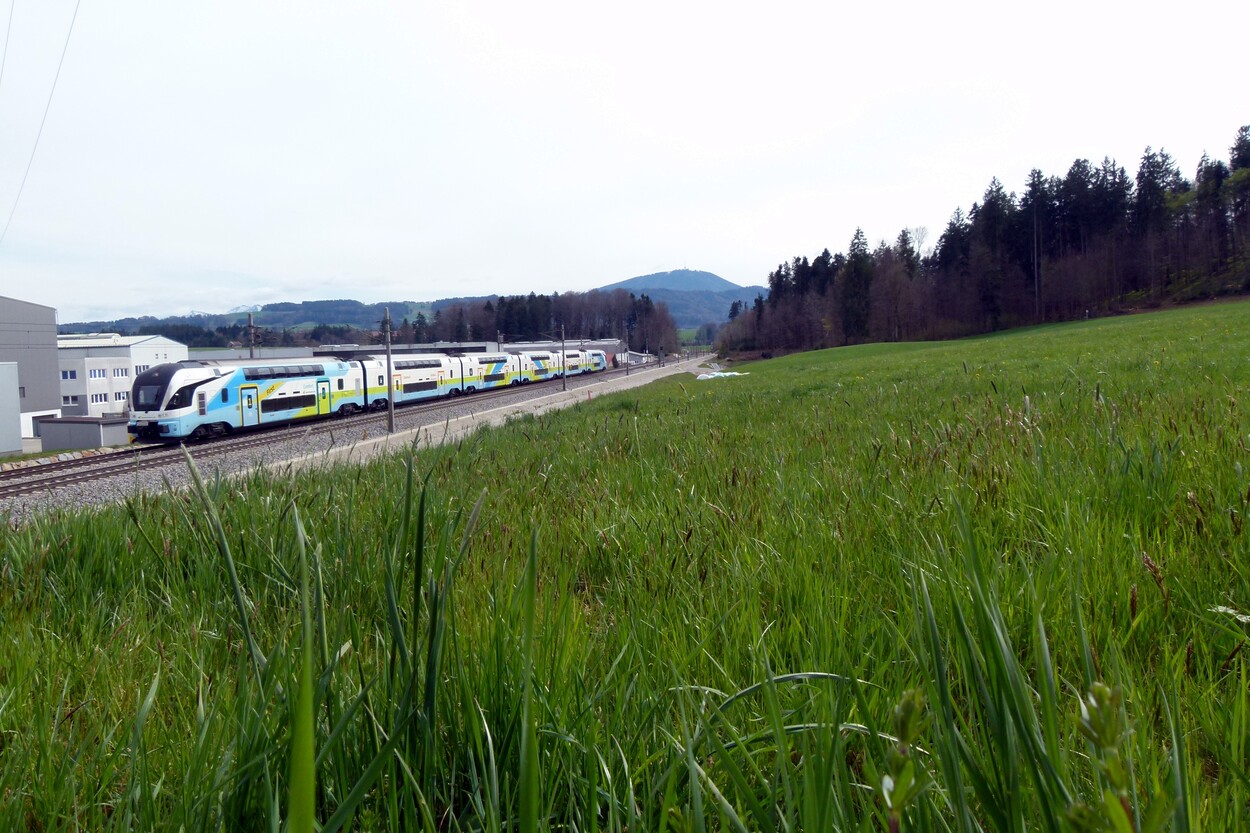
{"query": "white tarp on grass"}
[(720, 374)]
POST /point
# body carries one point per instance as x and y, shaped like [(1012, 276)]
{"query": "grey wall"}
[(28, 337), (10, 413), (73, 433)]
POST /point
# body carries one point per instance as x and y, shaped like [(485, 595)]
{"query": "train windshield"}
[(147, 397), (150, 387)]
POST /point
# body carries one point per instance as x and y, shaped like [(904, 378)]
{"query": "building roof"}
[(26, 303), (110, 340)]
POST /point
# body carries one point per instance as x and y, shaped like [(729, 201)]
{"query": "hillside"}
[(276, 316), (678, 280), (693, 297), (1012, 567)]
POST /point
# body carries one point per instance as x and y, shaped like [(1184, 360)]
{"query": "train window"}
[(340, 384), (182, 398), (381, 380), (225, 395), (288, 403)]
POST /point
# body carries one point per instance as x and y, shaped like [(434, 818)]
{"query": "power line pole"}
[(251, 337), (390, 380)]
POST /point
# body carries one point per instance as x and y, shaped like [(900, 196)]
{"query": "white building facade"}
[(98, 369)]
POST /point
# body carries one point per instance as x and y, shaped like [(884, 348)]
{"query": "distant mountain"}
[(277, 316), (693, 297), (678, 280)]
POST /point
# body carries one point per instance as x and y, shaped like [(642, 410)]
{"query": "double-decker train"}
[(192, 400)]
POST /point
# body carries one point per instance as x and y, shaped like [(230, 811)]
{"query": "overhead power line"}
[(46, 108), (7, 32)]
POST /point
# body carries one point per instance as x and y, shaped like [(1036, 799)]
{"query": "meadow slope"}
[(996, 584)]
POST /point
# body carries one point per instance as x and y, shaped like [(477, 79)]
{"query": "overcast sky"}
[(211, 155)]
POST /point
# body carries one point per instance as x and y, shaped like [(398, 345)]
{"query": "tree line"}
[(1092, 242), (646, 325)]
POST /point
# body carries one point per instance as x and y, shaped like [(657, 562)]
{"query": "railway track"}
[(137, 460)]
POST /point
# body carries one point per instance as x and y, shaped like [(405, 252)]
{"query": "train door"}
[(456, 374), (323, 396), (249, 405)]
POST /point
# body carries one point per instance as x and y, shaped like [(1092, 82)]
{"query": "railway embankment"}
[(55, 457), (456, 428)]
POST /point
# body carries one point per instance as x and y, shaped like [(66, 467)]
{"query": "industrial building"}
[(98, 369), (28, 340), (10, 412)]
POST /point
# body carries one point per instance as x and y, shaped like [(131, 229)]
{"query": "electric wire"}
[(42, 121), (8, 31)]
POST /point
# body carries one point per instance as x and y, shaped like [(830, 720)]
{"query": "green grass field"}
[(995, 584)]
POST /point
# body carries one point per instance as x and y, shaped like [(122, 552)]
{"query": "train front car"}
[(163, 401), (194, 400)]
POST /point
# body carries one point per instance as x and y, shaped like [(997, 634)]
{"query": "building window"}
[(66, 375), (21, 392), (121, 396), (139, 368), (119, 372), (98, 373), (69, 400), (98, 398)]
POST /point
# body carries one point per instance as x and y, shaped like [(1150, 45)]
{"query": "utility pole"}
[(390, 380), (251, 337), (564, 360)]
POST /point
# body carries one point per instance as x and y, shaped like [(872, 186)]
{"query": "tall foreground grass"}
[(988, 585)]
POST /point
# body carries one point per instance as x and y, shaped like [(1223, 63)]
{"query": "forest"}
[(1092, 242), (645, 324)]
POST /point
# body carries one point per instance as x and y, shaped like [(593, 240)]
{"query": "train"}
[(198, 399)]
